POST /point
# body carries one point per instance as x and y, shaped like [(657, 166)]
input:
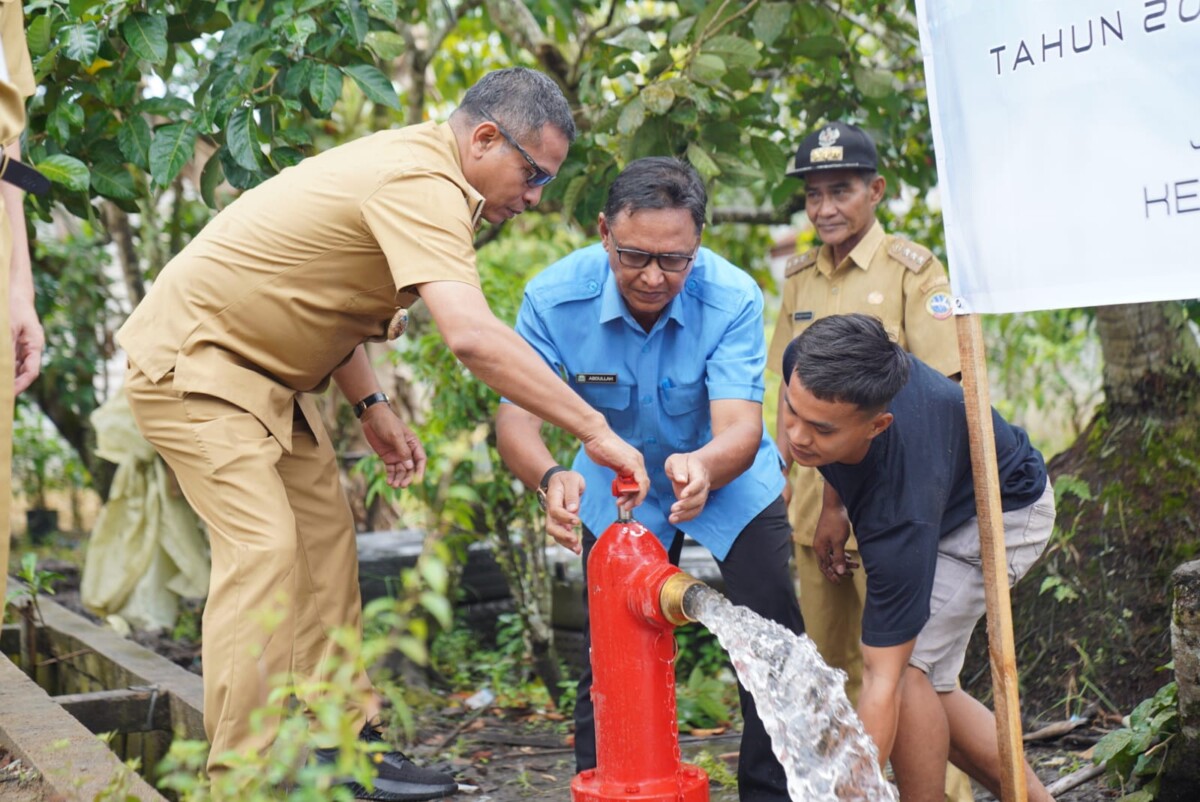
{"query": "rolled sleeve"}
[(735, 368)]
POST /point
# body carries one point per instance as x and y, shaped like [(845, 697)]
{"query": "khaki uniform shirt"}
[(281, 287), (16, 71), (901, 283)]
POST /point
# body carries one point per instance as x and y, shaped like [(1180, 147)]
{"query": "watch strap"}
[(369, 401), (544, 485)]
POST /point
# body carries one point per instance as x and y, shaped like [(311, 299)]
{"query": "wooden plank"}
[(982, 436), (130, 710)]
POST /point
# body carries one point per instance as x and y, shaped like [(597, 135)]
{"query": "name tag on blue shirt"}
[(595, 378)]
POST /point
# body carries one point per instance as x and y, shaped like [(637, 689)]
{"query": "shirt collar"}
[(612, 305), (474, 199), (861, 255)]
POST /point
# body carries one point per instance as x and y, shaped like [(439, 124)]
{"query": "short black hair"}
[(848, 359), (524, 101), (658, 182)]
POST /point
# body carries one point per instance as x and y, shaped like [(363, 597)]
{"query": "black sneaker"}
[(398, 779)]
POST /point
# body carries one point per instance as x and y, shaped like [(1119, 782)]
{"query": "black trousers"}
[(757, 576)]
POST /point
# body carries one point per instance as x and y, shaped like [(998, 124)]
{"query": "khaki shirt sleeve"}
[(19, 83), (783, 332), (423, 226), (929, 330)]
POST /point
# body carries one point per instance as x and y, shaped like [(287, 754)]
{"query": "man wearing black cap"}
[(857, 268)]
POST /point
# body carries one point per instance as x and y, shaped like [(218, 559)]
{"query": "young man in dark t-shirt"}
[(889, 434)]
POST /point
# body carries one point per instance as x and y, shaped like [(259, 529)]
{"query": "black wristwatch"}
[(369, 401), (544, 485)]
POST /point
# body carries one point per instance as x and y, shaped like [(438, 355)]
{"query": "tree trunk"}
[(1092, 617), (1181, 772)]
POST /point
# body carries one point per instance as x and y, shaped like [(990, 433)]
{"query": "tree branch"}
[(781, 215)]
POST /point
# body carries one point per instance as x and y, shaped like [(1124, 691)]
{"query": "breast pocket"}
[(686, 420), (613, 401)]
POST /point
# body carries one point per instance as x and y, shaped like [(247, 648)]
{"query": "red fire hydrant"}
[(633, 670)]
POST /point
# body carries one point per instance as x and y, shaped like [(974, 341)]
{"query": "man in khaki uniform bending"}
[(274, 298), (858, 268), (21, 338)]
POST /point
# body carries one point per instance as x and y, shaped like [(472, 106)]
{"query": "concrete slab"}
[(73, 762), (93, 650)]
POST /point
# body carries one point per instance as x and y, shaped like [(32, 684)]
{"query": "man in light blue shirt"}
[(666, 339)]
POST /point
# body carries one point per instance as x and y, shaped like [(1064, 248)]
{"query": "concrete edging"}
[(73, 763)]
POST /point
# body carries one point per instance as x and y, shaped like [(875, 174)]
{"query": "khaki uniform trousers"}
[(833, 613), (7, 396), (284, 558)]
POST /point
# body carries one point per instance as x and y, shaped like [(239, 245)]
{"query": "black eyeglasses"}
[(667, 262), (540, 177)]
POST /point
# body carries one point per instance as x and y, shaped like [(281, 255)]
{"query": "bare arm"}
[(879, 701), (519, 441), (737, 432), (502, 360), (830, 536), (28, 339), (395, 443)]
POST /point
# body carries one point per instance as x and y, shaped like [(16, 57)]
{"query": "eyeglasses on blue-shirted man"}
[(540, 177), (636, 259)]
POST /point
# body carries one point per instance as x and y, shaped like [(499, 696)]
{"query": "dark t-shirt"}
[(914, 487)]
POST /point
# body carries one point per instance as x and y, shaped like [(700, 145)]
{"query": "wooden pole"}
[(1001, 647)]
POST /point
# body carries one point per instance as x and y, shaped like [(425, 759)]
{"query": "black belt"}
[(23, 176)]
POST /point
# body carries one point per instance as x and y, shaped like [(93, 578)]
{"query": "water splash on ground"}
[(814, 731)]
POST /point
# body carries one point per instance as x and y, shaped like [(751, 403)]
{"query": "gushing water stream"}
[(814, 731)]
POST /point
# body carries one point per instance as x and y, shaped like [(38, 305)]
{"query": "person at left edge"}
[(275, 297), (21, 337), (666, 339)]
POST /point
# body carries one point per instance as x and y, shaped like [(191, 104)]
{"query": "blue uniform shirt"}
[(654, 387)]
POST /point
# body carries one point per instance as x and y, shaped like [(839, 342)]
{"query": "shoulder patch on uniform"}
[(800, 261), (910, 254)]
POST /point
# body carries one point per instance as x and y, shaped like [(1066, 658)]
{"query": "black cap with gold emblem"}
[(836, 146)]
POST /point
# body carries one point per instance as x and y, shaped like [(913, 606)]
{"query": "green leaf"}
[(874, 83), (171, 149), (632, 38), (387, 45), (241, 138), (134, 137), (66, 170), (703, 163), (81, 42), (374, 84), (632, 116), (385, 10), (211, 178), (167, 106), (820, 46), (439, 606), (79, 8), (733, 50), (325, 86), (113, 180), (64, 118), (769, 21), (1111, 744), (707, 68), (680, 30), (359, 22), (146, 36), (771, 158), (39, 36), (434, 572), (658, 98)]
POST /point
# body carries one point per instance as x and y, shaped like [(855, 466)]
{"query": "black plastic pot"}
[(40, 522)]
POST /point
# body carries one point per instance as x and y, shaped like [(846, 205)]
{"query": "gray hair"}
[(658, 182), (848, 359), (524, 101)]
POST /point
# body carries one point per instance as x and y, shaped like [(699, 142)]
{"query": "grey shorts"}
[(957, 601)]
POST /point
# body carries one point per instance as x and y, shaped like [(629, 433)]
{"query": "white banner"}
[(1068, 149)]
